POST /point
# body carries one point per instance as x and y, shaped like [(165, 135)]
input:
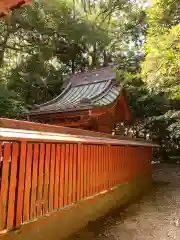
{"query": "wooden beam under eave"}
[(70, 124), (59, 115)]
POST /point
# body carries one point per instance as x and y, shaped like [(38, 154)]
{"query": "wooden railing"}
[(41, 175)]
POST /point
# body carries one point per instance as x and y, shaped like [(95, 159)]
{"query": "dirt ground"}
[(155, 216)]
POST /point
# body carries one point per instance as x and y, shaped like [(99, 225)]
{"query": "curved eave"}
[(98, 110), (86, 110), (91, 111), (103, 93), (110, 107)]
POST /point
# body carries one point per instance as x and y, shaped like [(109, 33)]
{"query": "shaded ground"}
[(155, 216)]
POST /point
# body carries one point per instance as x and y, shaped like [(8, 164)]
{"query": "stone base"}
[(66, 222)]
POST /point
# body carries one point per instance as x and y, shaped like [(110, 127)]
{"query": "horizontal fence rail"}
[(39, 178)]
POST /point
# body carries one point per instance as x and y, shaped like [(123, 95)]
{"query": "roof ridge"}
[(92, 71), (88, 83)]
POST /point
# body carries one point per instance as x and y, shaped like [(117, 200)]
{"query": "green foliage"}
[(43, 42), (160, 69)]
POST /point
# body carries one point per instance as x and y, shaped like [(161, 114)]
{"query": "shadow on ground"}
[(152, 216)]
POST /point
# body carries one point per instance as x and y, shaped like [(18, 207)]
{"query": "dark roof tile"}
[(100, 92)]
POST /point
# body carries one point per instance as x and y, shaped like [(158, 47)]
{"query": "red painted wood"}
[(40, 184), (104, 168), (79, 173), (75, 157), (66, 177), (57, 177), (62, 175), (12, 186), (33, 206), (52, 174), (94, 169), (70, 185), (98, 169), (88, 170), (46, 178), (6, 156), (21, 178), (107, 166), (117, 166), (85, 175), (27, 192), (120, 156)]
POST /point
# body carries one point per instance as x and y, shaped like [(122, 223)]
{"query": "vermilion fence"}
[(39, 176)]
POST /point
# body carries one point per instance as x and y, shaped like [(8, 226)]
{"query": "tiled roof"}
[(98, 75), (86, 93)]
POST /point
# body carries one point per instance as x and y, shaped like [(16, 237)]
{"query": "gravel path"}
[(155, 216)]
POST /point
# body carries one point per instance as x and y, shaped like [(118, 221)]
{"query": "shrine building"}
[(92, 101)]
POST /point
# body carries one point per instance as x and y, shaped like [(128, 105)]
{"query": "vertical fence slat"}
[(93, 169), (116, 165), (26, 209), (119, 167), (106, 167), (40, 180), (13, 185), (34, 181), (104, 179), (103, 168), (90, 171), (52, 173), (70, 185), (75, 173), (66, 179), (46, 177), (57, 177), (62, 167), (4, 184), (22, 165), (79, 173), (85, 170), (100, 169), (110, 166), (123, 164), (97, 167)]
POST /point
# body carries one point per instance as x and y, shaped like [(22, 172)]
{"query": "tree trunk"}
[(94, 57), (3, 48), (105, 59), (73, 66)]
